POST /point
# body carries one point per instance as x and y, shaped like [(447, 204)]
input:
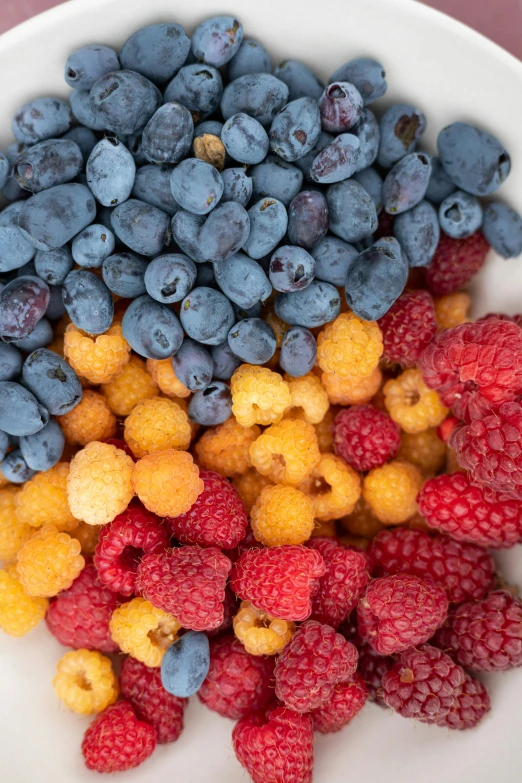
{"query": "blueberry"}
[(193, 365), (268, 224), (196, 186), (48, 163), (298, 352), (276, 178), (157, 51), (225, 232), (10, 362), (169, 278), (82, 111), (401, 127), (124, 275), (245, 139), (15, 469), (186, 228), (305, 163), (418, 233), (43, 118), (475, 160), (210, 127), (316, 305), (88, 301), (55, 309), (225, 361), (15, 249), (341, 105), (41, 336), (152, 329), (300, 80), (4, 444), (92, 245), (333, 257), (185, 664), (366, 74), (337, 161), (295, 129), (43, 450), (460, 215), (5, 170), (259, 95), (13, 192), (372, 182), (20, 411), (211, 406), (51, 218), (307, 219), (251, 57), (242, 280), (142, 227), (110, 172), (405, 185), (206, 316), (205, 275), (440, 185), (369, 135), (352, 211), (237, 186), (503, 230), (168, 135), (23, 302), (152, 185), (217, 40), (376, 279), (291, 269), (84, 138), (85, 66), (124, 101), (197, 87), (252, 340)]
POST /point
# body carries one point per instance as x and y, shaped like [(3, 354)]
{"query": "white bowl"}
[(451, 73)]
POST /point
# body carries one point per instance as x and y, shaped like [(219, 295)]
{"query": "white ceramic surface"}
[(451, 73)]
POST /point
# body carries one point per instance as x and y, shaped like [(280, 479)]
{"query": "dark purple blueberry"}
[(53, 217), (225, 361), (56, 308), (152, 329), (333, 257), (92, 245), (86, 65), (124, 101), (245, 139), (372, 182), (268, 224), (224, 233), (366, 74), (186, 229), (53, 266), (242, 280), (47, 164), (376, 279), (237, 186), (211, 406), (369, 135), (169, 278), (352, 211), (10, 362), (440, 185), (167, 137), (300, 80), (15, 249), (305, 163), (291, 269), (401, 128), (23, 302), (193, 365), (81, 109), (124, 274), (216, 40), (295, 129), (15, 469), (43, 118), (341, 105), (208, 127), (197, 87), (460, 215), (475, 160), (405, 185), (307, 219), (84, 138), (43, 450), (196, 186), (503, 230), (252, 340), (298, 352), (88, 301), (111, 171), (152, 185), (207, 316), (251, 57), (259, 95), (316, 305), (418, 233), (20, 411), (157, 51), (41, 336), (141, 227), (337, 161), (276, 178)]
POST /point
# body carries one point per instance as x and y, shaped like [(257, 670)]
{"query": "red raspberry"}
[(237, 683), (80, 616), (142, 687), (465, 571), (188, 583), (365, 437), (424, 684), (408, 327), (230, 609), (116, 740), (485, 636), (401, 611), (490, 446), (347, 699), (217, 518), (122, 544), (248, 542), (453, 504), (278, 748), (445, 429), (280, 580), (312, 663), (343, 583), (455, 262), (121, 444), (469, 706), (372, 667)]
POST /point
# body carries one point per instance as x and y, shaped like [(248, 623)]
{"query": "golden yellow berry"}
[(211, 149), (226, 448), (162, 373), (259, 396), (324, 430), (362, 522), (49, 562), (452, 310), (85, 681), (155, 425), (43, 500), (282, 515), (143, 631), (91, 419), (411, 404), (423, 449), (286, 452), (260, 633), (19, 612), (87, 535), (349, 347), (249, 486), (333, 487), (353, 390), (308, 395), (130, 387), (391, 491), (167, 482), (14, 532), (99, 358)]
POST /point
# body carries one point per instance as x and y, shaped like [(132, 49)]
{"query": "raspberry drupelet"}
[(225, 448), (91, 419), (455, 263), (282, 515), (163, 375), (372, 667), (452, 310), (85, 681), (259, 396), (365, 437), (391, 491), (117, 740), (157, 424), (333, 487), (349, 347), (347, 699), (408, 327), (469, 706), (43, 499), (167, 482), (260, 633), (143, 630), (19, 611), (353, 390), (411, 404), (286, 452), (249, 487), (308, 397), (98, 358), (131, 386), (14, 532), (49, 562)]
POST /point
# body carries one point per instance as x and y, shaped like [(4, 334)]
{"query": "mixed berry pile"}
[(252, 445)]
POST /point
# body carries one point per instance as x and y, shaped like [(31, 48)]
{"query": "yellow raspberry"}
[(391, 491), (286, 452), (249, 486), (88, 536), (260, 633), (259, 396), (333, 487), (43, 500), (278, 326), (14, 532), (349, 347), (452, 310), (167, 482), (282, 515), (162, 373), (362, 522), (99, 358), (423, 449), (99, 486), (324, 529), (353, 390), (324, 430), (130, 387), (19, 612), (411, 404), (226, 448), (91, 419), (308, 395), (155, 425), (143, 631), (85, 681), (49, 562)]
